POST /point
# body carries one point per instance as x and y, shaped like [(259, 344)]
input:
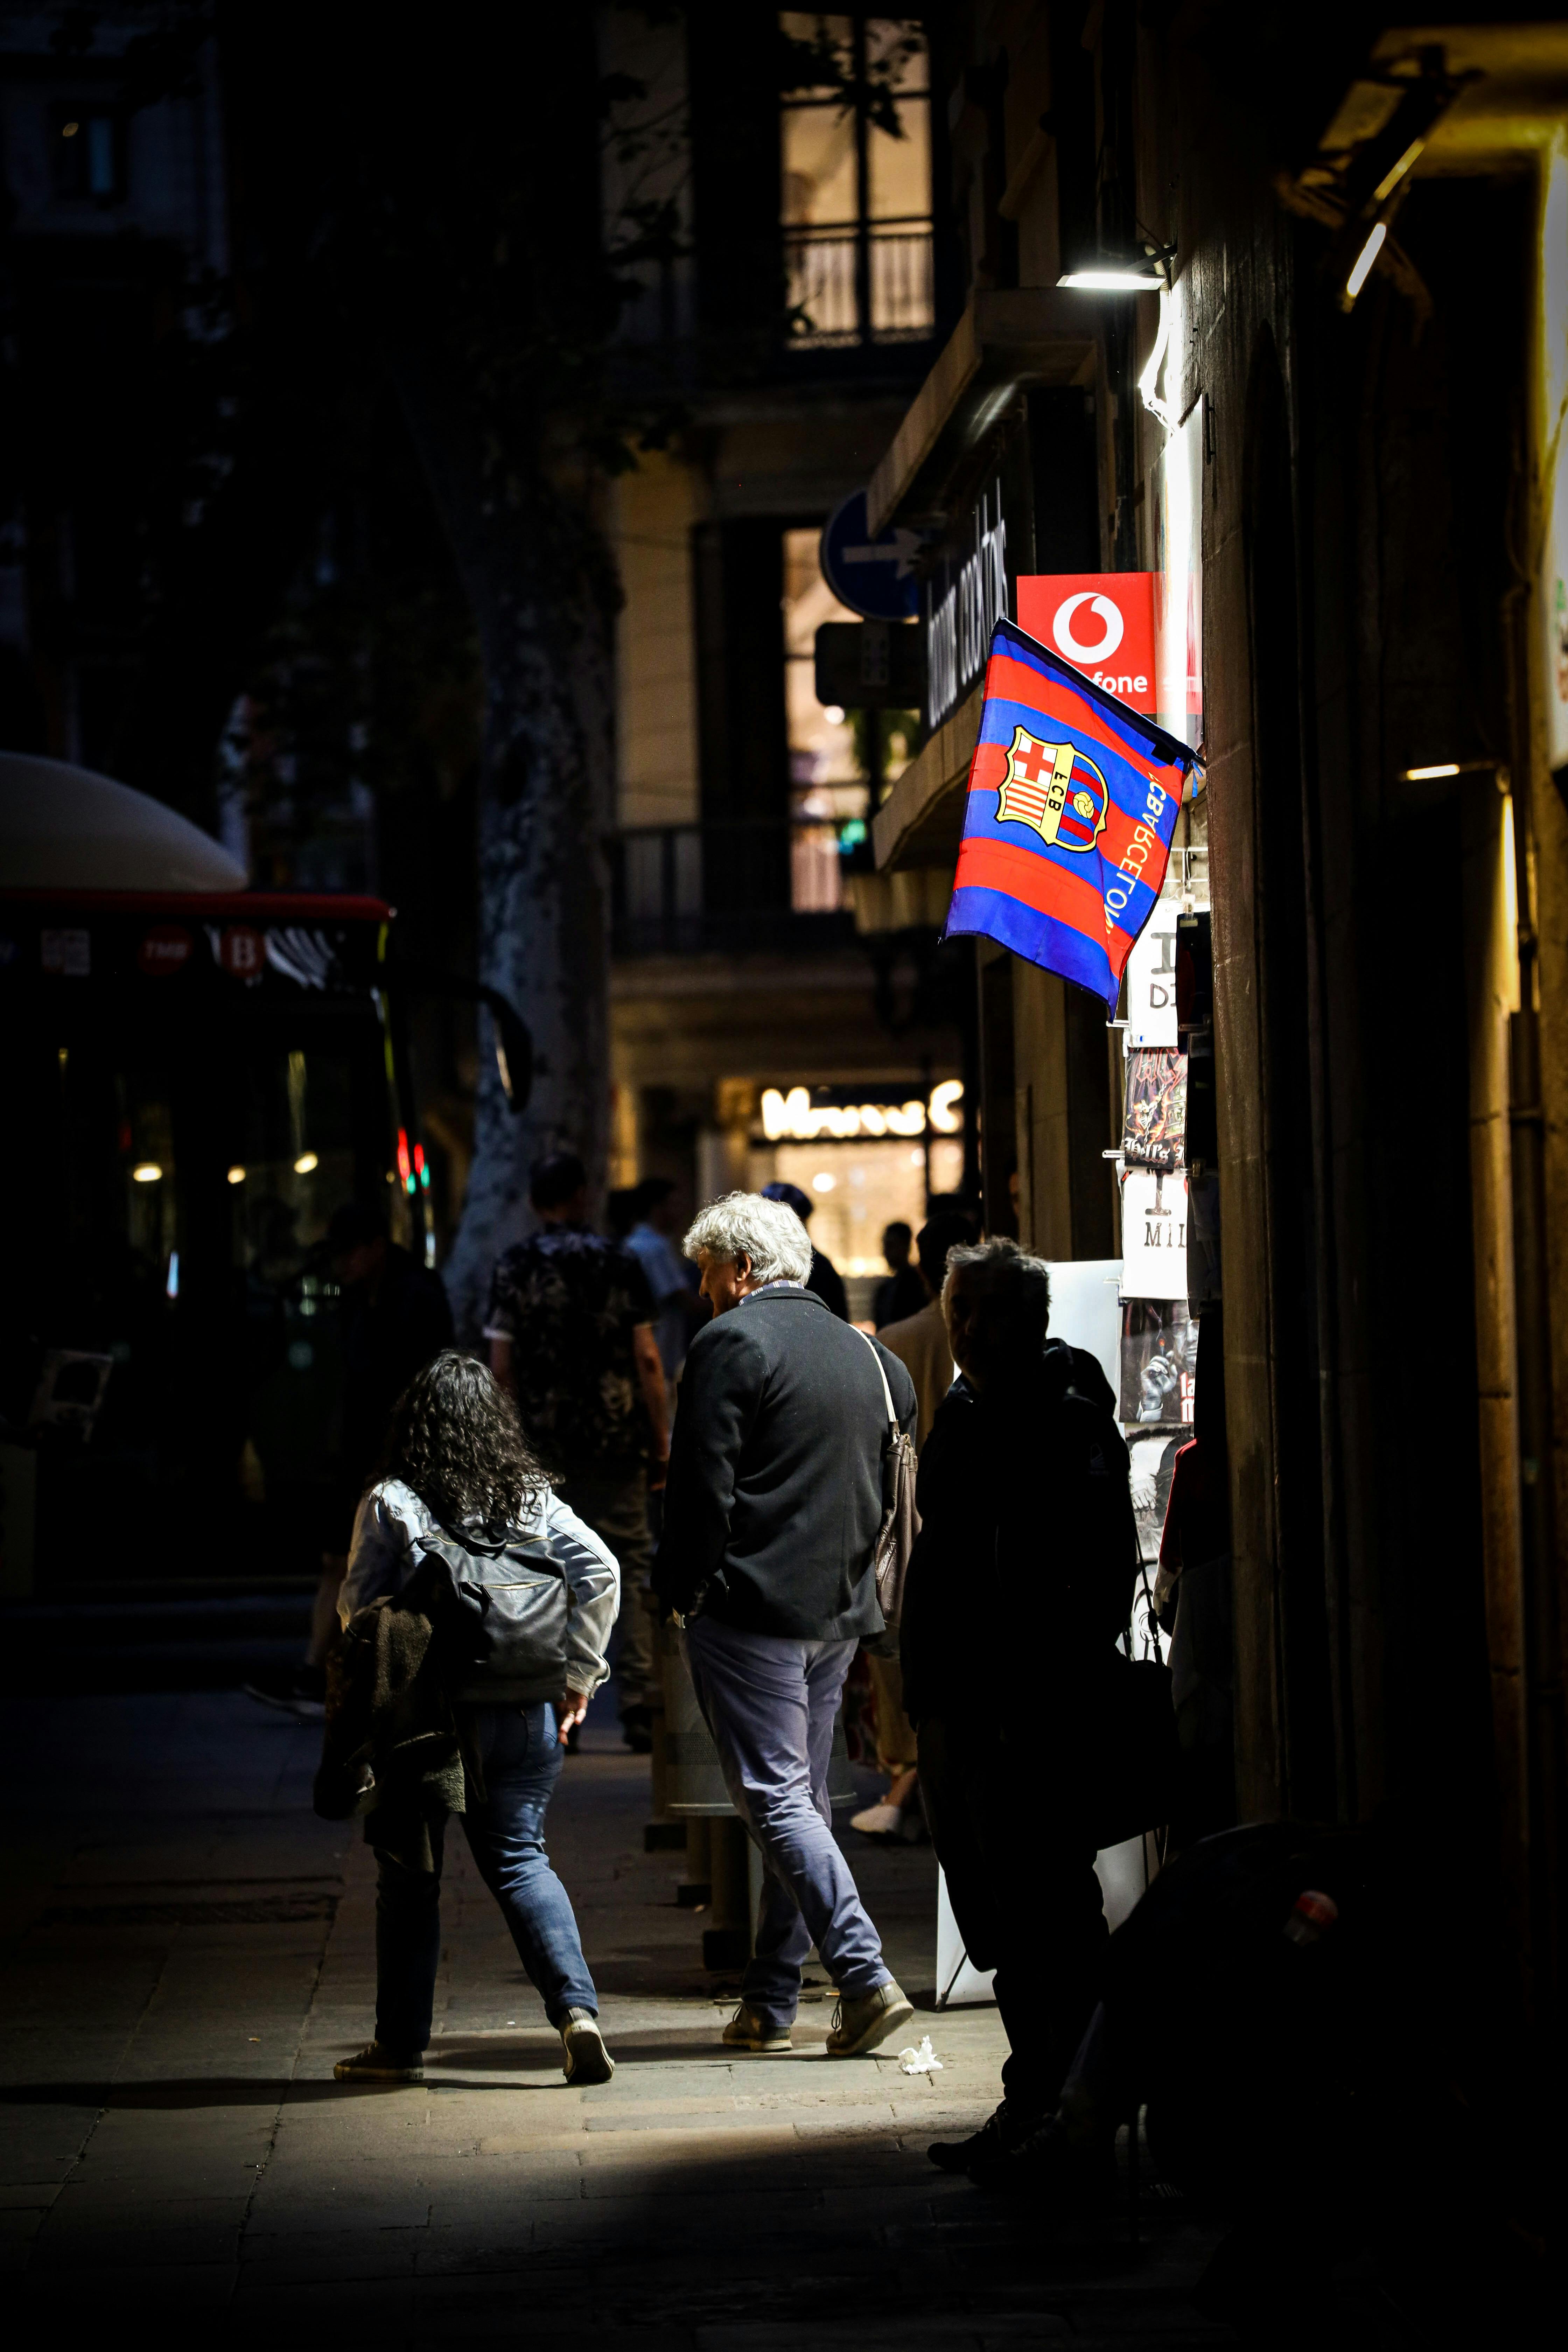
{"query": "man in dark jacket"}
[(770, 1518), (823, 1277), (1021, 1581)]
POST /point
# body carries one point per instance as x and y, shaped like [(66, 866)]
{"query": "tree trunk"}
[(540, 583)]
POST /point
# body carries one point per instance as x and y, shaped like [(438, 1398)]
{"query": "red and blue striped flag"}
[(1072, 803)]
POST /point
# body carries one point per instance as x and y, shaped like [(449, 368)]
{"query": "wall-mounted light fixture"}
[(1364, 184), (1452, 768), (1361, 269), (1132, 270)]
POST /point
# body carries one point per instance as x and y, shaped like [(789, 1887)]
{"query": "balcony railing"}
[(844, 281), (762, 884)]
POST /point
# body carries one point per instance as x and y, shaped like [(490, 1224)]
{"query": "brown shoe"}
[(862, 2019), (376, 2064), (747, 2030)]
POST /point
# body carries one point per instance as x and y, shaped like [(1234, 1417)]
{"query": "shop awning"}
[(1007, 338), (920, 823)]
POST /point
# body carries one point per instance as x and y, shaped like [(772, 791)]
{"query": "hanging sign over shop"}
[(1154, 1234), (869, 666), (875, 577), (1152, 980), (1101, 622), (965, 601), (1073, 799)]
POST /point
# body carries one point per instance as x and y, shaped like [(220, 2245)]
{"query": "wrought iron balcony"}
[(856, 285)]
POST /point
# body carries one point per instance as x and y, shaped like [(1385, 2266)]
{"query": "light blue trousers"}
[(771, 1705)]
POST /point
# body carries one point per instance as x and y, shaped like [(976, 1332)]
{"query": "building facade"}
[(1262, 392), (802, 303)]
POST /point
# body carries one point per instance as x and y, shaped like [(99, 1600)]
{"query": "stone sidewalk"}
[(187, 1951)]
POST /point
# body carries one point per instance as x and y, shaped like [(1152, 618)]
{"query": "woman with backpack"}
[(476, 1611)]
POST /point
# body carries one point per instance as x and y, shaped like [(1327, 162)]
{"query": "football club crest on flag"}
[(1072, 803)]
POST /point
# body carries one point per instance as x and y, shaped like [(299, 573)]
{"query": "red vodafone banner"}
[(1101, 622)]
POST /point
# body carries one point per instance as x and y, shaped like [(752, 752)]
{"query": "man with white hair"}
[(770, 1517)]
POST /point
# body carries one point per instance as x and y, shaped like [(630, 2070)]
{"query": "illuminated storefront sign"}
[(1101, 622), (965, 601), (795, 1118)]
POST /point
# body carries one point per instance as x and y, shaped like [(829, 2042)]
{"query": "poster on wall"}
[(1154, 1234), (1152, 1456), (1159, 1384), (1159, 1364), (1154, 1127)]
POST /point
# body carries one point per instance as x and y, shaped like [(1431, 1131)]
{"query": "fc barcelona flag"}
[(1072, 803)]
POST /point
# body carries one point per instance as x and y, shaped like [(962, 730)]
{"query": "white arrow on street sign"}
[(901, 552)]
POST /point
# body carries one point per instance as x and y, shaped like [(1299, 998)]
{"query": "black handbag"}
[(1136, 1757)]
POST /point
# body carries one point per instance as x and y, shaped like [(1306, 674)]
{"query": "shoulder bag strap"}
[(881, 1375)]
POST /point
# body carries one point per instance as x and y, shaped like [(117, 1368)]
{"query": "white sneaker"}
[(877, 1820), (586, 2059)]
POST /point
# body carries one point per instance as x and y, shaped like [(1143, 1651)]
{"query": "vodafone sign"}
[(1101, 622)]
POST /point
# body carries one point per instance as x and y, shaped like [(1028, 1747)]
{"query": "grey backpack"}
[(500, 1608)]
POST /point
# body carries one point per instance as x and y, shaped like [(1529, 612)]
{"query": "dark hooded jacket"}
[(1022, 1572)]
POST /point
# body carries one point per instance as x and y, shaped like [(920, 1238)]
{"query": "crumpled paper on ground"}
[(920, 2058)]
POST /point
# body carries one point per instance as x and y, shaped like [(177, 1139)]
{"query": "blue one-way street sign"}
[(873, 576)]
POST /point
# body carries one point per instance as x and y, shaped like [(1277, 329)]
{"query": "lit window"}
[(856, 191), (841, 763), (89, 153), (826, 780)]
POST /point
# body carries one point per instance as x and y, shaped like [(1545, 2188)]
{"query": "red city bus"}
[(192, 1081)]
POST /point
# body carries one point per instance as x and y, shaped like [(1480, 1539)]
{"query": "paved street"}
[(187, 1950)]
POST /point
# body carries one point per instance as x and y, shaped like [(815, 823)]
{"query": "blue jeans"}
[(771, 1704), (522, 1760)]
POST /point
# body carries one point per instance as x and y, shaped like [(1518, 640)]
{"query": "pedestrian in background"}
[(455, 1460), (392, 1317), (677, 1307), (921, 1345), (824, 1278), (771, 1520), (903, 1293), (1020, 1582), (571, 1330), (919, 1342)]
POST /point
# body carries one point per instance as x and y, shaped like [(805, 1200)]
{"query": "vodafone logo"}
[(1073, 646), (1101, 622)]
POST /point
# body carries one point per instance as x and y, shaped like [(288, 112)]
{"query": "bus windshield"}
[(180, 1136)]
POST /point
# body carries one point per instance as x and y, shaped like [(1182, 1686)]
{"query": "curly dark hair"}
[(456, 1440)]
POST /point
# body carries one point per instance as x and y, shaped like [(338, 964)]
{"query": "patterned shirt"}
[(568, 1301)]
